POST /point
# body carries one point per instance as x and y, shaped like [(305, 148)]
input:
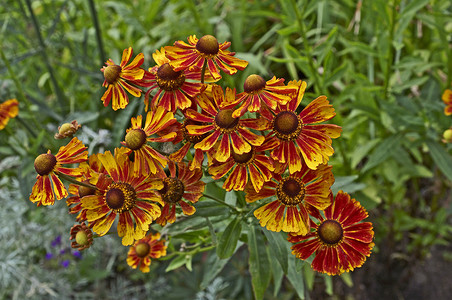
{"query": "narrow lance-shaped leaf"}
[(259, 263), (441, 158), (228, 240)]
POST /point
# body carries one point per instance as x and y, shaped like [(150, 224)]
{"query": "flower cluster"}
[(261, 141)]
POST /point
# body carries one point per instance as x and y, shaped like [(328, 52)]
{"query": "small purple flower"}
[(49, 256), (65, 263), (77, 254), (62, 251), (56, 241)]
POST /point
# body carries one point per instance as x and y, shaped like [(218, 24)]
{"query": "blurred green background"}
[(383, 65)]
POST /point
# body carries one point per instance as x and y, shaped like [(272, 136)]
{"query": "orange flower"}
[(207, 49), (48, 166), (8, 109), (125, 193), (300, 138), (221, 126), (257, 91), (255, 163), (142, 251), (183, 184), (149, 160), (447, 99), (340, 241), (288, 212), (121, 78), (174, 89)]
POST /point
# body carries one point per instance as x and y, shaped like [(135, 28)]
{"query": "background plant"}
[(384, 66)]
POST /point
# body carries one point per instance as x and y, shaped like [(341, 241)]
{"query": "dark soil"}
[(388, 276)]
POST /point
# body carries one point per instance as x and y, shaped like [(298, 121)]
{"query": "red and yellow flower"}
[(217, 120), (90, 174), (123, 193), (121, 78), (257, 91), (205, 50), (181, 184), (48, 166), (148, 159), (300, 137), (174, 89), (142, 251), (447, 99), (254, 166), (8, 109), (294, 192), (340, 241)]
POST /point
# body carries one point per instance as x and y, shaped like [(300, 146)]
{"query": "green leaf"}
[(309, 275), (213, 268), (383, 151), (210, 208), (296, 278), (347, 184), (277, 272), (278, 247), (228, 240), (441, 158), (178, 262), (259, 263), (361, 151)]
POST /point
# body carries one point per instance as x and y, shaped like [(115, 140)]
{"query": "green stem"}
[(390, 55), (58, 91), (74, 181), (223, 203), (318, 87), (203, 70), (190, 253), (92, 9)]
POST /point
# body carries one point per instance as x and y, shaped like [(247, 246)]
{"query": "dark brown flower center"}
[(287, 125), (135, 138), (111, 73), (244, 158), (290, 191), (45, 163), (253, 83), (208, 44), (169, 80), (142, 249), (330, 232), (224, 119), (120, 197), (173, 190)]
